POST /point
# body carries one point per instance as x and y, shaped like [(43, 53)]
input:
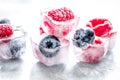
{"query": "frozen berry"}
[(5, 30), (83, 37), (62, 14), (15, 47), (5, 21), (101, 27), (49, 46)]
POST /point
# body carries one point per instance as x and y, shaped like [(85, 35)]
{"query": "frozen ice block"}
[(103, 28), (51, 43), (92, 42), (59, 22), (49, 50), (12, 41), (92, 53)]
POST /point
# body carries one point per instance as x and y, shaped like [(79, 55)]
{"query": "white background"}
[(27, 14)]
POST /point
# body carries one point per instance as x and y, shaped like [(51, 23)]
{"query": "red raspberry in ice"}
[(101, 27), (5, 30), (59, 22), (61, 15)]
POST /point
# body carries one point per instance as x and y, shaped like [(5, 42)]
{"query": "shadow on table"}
[(85, 71), (10, 69), (80, 71), (43, 72)]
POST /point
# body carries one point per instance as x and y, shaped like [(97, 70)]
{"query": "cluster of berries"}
[(91, 42), (10, 46)]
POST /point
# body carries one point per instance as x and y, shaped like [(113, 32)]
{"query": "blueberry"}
[(83, 37), (16, 48), (5, 20), (89, 36), (49, 46)]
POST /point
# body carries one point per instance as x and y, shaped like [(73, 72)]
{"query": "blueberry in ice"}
[(49, 46), (16, 47), (83, 37), (5, 20), (79, 34), (89, 36)]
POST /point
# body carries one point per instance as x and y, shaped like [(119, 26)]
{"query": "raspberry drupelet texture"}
[(101, 27), (61, 15), (5, 30)]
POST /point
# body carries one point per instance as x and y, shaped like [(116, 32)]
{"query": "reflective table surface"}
[(26, 13)]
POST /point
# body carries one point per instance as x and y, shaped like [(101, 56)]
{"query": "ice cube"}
[(48, 54), (58, 28), (13, 46), (92, 53)]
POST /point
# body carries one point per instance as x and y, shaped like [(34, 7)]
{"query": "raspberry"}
[(101, 27), (61, 15), (5, 30)]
